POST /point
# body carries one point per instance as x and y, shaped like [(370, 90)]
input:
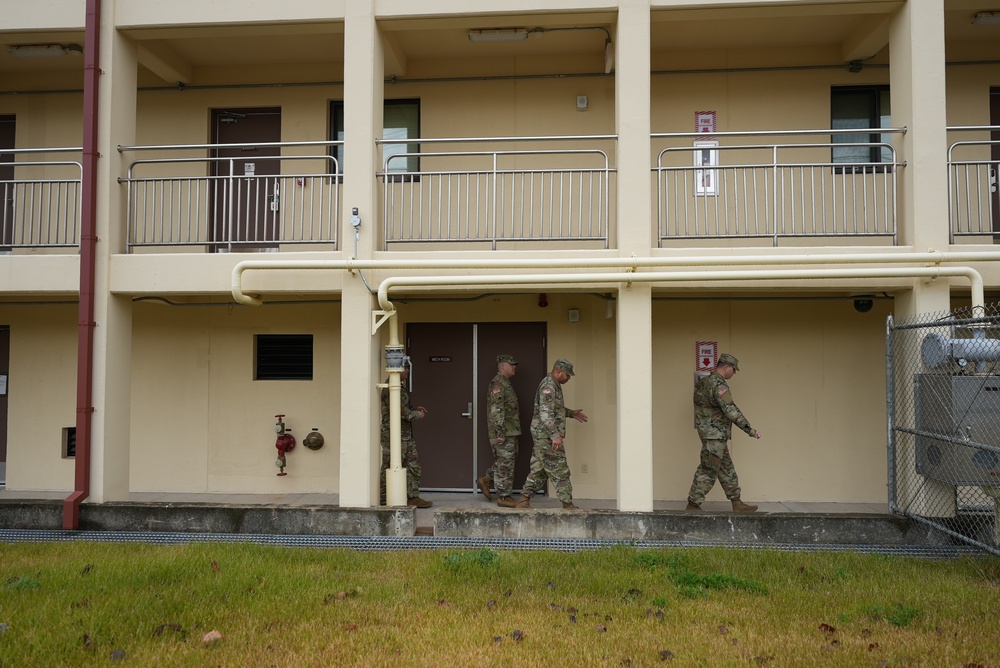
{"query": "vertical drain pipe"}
[(395, 360), (88, 254)]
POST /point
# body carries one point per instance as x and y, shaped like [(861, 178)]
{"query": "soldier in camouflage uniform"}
[(503, 423), (714, 415), (408, 447), (548, 429)]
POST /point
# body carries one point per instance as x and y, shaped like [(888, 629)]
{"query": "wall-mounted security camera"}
[(863, 304)]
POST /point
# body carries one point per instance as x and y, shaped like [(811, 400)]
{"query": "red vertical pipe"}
[(88, 253)]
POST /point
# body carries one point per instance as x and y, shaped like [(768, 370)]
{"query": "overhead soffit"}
[(685, 29)]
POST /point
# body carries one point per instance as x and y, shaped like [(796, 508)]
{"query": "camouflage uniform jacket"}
[(406, 412), (714, 410), (502, 415), (549, 418)]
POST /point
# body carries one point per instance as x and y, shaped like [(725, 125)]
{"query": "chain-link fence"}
[(943, 393)]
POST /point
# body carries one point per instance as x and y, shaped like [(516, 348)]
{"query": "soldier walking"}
[(714, 414), (548, 429), (503, 423)]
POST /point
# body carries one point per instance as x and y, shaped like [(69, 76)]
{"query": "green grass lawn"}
[(69, 604)]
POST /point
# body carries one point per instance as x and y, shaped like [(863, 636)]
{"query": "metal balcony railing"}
[(733, 186), (545, 193), (973, 197), (202, 197), (40, 190)]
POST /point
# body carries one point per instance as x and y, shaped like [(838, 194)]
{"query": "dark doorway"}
[(246, 181), (4, 371), (995, 158), (452, 365), (7, 136)]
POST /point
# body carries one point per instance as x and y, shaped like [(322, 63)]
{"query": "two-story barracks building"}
[(500, 163)]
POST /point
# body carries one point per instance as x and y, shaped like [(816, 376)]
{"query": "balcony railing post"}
[(494, 204)]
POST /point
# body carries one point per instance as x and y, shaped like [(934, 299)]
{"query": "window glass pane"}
[(337, 133), (401, 120), (851, 109), (885, 121)]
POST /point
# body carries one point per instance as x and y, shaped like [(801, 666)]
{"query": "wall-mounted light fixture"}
[(44, 50), (986, 19), (498, 35)]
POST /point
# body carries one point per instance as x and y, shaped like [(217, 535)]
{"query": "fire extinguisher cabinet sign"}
[(706, 352)]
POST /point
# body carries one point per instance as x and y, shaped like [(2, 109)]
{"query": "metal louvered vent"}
[(283, 357)]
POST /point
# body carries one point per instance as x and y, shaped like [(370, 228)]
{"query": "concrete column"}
[(360, 455), (917, 87), (916, 493), (109, 464), (635, 236)]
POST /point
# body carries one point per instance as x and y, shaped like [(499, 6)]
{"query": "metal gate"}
[(943, 395)]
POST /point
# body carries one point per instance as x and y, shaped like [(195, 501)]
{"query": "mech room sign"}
[(706, 353)]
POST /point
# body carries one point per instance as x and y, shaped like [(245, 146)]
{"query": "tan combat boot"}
[(740, 507), (484, 487), (506, 502), (523, 503), (692, 506), (568, 505), (418, 502)]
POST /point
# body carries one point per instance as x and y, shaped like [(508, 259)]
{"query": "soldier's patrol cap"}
[(726, 358), (564, 365), (506, 359)]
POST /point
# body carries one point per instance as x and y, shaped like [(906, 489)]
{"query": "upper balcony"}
[(755, 188), (501, 155)]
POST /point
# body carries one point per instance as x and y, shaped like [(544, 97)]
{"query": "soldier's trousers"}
[(715, 464), (547, 465), (502, 471), (408, 452)]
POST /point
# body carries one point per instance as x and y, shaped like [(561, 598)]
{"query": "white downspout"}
[(395, 476)]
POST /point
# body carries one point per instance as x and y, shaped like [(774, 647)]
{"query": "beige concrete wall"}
[(812, 380), (201, 423), (41, 390)]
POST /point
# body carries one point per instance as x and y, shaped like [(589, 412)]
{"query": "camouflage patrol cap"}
[(726, 358), (564, 365), (506, 359)]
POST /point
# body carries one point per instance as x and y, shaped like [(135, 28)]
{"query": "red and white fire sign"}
[(705, 353)]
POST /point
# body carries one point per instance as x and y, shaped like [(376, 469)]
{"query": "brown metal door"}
[(526, 342), (995, 157), (452, 365), (4, 369), (245, 184), (7, 135)]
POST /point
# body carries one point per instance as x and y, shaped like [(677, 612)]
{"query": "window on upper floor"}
[(862, 107), (401, 121)]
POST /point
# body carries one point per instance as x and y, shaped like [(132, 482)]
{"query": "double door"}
[(453, 363)]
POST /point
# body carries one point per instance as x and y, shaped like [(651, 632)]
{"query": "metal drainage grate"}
[(375, 543)]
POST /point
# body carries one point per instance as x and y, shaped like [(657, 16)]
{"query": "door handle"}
[(469, 414)]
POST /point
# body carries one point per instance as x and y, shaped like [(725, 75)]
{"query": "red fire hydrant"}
[(284, 442)]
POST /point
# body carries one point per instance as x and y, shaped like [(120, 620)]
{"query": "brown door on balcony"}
[(7, 134), (995, 158), (245, 190), (452, 365)]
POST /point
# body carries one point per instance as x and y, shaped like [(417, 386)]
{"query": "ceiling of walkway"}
[(849, 29)]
